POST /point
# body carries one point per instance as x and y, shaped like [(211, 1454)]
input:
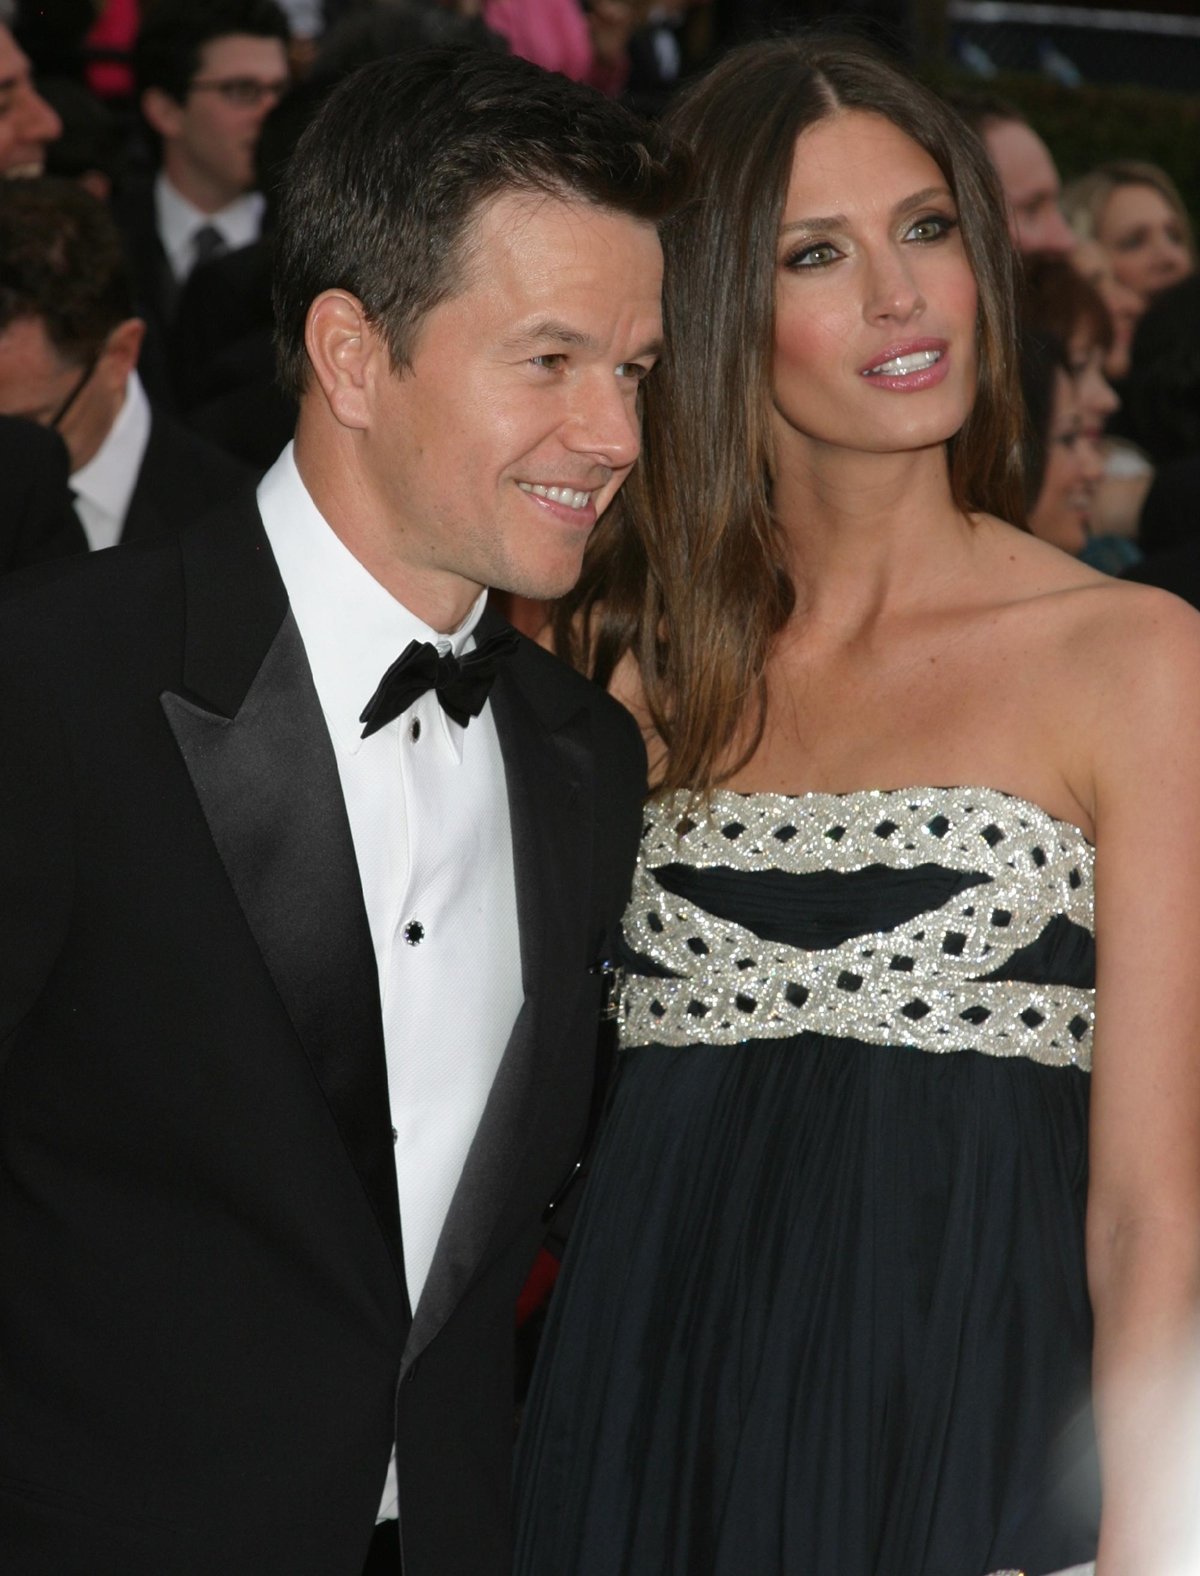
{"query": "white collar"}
[(178, 220), (108, 479), (353, 628)]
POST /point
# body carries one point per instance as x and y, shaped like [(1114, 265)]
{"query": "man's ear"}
[(163, 113), (346, 354), (123, 347)]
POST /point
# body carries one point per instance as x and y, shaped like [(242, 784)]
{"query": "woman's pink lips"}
[(909, 382)]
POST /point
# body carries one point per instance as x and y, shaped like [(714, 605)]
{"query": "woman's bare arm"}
[(1143, 1232)]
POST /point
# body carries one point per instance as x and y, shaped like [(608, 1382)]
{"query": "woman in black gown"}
[(909, 1025)]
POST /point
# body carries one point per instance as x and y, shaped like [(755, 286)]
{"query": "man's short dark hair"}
[(167, 52), (981, 109), (61, 260), (386, 181)]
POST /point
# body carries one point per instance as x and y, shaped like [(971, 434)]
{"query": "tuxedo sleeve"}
[(36, 861), (621, 781)]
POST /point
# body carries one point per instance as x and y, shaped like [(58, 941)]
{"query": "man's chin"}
[(543, 581), (23, 172)]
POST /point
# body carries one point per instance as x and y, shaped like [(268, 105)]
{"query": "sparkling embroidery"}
[(917, 984)]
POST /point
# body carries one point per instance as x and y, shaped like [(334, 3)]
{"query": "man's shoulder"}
[(617, 740)]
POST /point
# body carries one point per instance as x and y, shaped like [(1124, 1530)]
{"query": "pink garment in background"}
[(115, 28), (553, 34)]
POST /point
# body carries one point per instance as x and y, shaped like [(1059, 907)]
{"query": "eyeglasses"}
[(60, 415), (241, 92)]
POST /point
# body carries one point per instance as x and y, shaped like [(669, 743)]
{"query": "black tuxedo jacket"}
[(206, 1348)]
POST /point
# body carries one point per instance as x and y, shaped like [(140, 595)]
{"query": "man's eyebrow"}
[(549, 330), (835, 221)]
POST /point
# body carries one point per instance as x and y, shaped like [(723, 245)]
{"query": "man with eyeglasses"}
[(69, 348), (208, 72)]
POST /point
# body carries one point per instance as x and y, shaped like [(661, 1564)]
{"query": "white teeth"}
[(916, 362), (564, 495)]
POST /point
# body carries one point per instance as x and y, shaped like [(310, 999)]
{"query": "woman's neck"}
[(864, 530)]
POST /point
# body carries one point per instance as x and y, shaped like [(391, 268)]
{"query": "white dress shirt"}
[(103, 488), (428, 810), (179, 221)]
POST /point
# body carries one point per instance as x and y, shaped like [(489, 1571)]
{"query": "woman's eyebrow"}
[(836, 221)]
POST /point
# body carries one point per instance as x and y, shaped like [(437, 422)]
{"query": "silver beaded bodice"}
[(922, 984)]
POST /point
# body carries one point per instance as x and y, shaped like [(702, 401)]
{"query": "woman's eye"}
[(932, 227), (815, 255), (636, 371)]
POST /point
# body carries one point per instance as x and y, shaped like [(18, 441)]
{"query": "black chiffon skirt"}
[(824, 1309)]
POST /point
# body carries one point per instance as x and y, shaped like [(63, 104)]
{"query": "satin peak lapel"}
[(268, 784)]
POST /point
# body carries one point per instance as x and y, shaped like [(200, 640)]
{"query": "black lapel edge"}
[(269, 789), (550, 807)]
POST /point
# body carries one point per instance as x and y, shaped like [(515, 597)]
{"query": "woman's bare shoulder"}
[(1090, 611), (1020, 565)]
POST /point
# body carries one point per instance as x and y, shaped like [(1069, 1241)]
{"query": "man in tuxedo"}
[(309, 870), (69, 348)]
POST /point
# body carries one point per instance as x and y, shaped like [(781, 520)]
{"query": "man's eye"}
[(551, 362)]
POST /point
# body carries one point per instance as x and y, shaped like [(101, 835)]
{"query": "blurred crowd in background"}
[(144, 141)]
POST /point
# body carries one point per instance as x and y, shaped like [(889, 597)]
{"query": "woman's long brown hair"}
[(687, 572)]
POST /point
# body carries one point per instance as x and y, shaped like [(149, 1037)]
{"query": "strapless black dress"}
[(824, 1310)]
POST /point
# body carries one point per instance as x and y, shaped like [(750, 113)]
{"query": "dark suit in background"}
[(37, 522), (155, 292), (182, 477)]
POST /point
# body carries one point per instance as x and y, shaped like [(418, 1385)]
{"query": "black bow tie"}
[(462, 683)]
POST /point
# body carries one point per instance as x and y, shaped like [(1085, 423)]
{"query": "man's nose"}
[(38, 122), (605, 422), (1059, 237)]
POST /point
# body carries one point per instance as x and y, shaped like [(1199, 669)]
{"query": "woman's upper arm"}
[(1145, 1149)]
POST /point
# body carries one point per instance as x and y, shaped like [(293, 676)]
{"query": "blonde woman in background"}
[(1134, 212)]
